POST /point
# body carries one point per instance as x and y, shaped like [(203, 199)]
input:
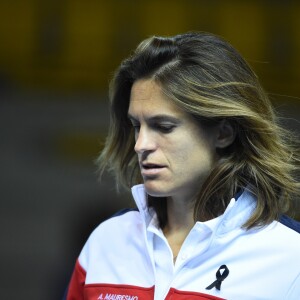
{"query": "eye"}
[(164, 128), (136, 127)]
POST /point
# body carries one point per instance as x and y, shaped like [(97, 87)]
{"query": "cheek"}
[(182, 155), (176, 150), (189, 150), (197, 154)]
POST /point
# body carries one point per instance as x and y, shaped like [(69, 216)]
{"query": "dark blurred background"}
[(56, 59)]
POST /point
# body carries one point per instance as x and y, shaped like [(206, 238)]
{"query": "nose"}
[(144, 141)]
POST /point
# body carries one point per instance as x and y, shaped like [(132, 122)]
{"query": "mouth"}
[(151, 169), (151, 166)]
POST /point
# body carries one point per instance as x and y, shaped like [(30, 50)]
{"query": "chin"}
[(156, 191)]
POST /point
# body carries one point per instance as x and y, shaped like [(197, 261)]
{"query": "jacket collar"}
[(235, 215)]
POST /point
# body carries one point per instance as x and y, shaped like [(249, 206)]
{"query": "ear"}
[(226, 134)]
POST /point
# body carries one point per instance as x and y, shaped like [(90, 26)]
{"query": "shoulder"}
[(284, 234), (117, 227), (118, 223), (280, 236), (122, 230), (123, 212), (290, 223)]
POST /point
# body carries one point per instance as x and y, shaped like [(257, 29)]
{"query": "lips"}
[(151, 168)]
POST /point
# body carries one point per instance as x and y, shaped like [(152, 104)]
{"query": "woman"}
[(212, 173)]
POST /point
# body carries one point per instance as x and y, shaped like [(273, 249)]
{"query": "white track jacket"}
[(128, 258)]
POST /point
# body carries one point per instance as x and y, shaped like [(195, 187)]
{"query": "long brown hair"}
[(206, 77)]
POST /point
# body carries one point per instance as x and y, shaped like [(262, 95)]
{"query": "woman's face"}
[(175, 154)]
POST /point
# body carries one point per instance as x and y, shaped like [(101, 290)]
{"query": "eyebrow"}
[(159, 118)]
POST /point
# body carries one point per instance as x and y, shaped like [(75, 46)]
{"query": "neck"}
[(180, 223), (180, 217), (180, 213)]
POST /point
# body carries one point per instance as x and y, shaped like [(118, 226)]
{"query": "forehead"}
[(147, 97)]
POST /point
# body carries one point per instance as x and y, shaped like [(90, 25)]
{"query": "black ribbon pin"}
[(220, 277)]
